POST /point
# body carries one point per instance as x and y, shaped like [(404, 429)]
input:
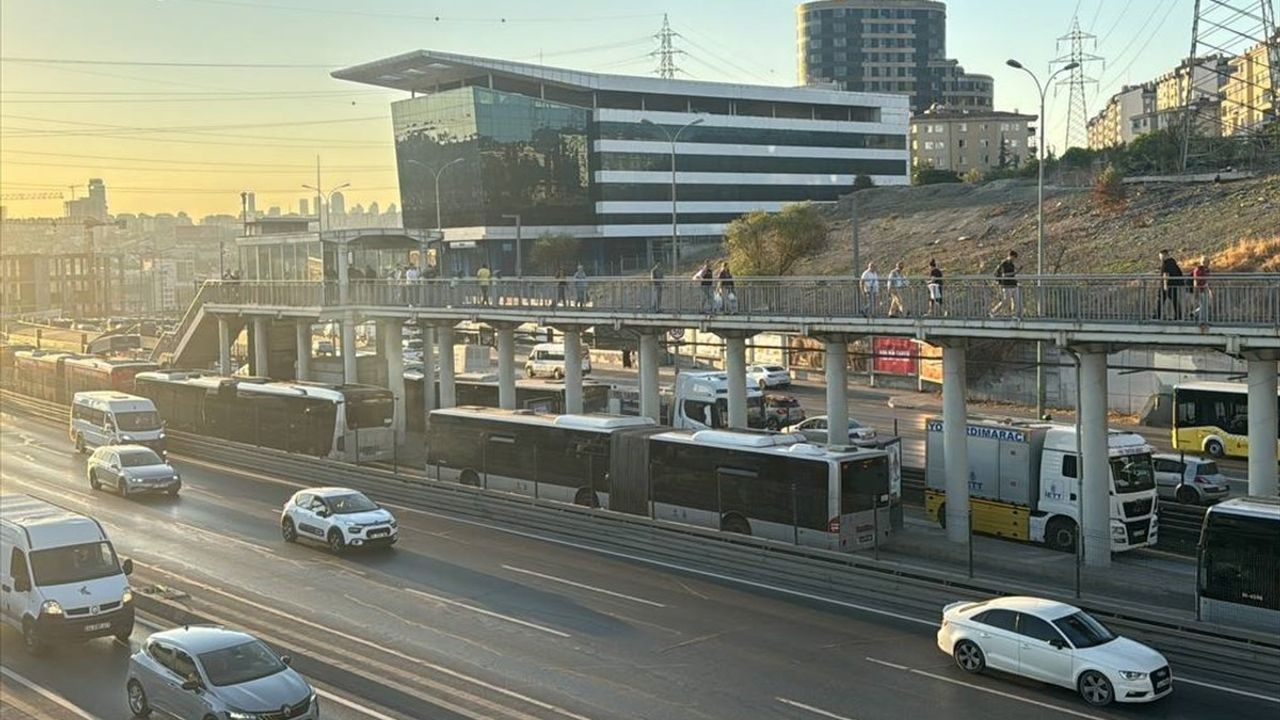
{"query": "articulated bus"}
[(1213, 417), (302, 417), (42, 374), (94, 373), (1238, 575), (535, 394), (756, 483)]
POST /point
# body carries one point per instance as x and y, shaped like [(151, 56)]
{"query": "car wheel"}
[(969, 657), (138, 704), (1095, 688), (528, 372), (1214, 448), (93, 480), (80, 443), (469, 477), (30, 640), (558, 374), (123, 636), (1061, 535), (336, 543), (288, 530), (1186, 495), (764, 385), (587, 498)]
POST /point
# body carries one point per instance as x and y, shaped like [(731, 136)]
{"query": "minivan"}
[(60, 578), (107, 417), (547, 360)]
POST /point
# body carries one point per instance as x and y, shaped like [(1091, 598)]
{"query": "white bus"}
[(108, 417), (1238, 575)]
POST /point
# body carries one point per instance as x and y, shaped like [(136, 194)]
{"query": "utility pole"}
[(666, 52), (853, 221), (1077, 109), (319, 209)]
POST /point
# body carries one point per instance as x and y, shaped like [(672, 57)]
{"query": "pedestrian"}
[(706, 280), (482, 282), (727, 290), (562, 289), (1170, 286), (1007, 278), (656, 276), (580, 285), (626, 357), (870, 285), (495, 283), (935, 288), (1200, 291), (897, 283)]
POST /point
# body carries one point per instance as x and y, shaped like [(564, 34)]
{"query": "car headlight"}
[(134, 479), (127, 597), (51, 607), (126, 437), (394, 523), (354, 526), (161, 436), (1132, 674)]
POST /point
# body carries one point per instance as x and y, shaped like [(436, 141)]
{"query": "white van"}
[(547, 360), (60, 579), (107, 417)]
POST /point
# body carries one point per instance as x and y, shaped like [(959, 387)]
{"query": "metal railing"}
[(1229, 300)]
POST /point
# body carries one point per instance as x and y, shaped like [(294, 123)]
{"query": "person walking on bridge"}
[(580, 285), (1200, 292), (870, 286), (1007, 278), (897, 283), (656, 276), (706, 279), (482, 282), (562, 289), (1170, 286), (935, 288)]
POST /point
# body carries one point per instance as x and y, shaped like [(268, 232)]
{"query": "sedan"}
[(1054, 643), (815, 430), (132, 470), (201, 671), (1189, 479), (768, 376)]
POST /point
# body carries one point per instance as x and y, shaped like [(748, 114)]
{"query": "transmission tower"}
[(1229, 39), (666, 52), (1076, 81)]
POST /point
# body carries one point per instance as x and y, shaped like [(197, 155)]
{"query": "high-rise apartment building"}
[(893, 46), (1249, 95), (337, 204), (91, 207), (304, 207)]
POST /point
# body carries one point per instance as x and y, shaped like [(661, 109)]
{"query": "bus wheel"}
[(735, 524), (1061, 535), (80, 443), (469, 477), (1186, 495), (1214, 448), (586, 497)]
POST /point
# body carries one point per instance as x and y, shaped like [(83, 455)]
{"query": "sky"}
[(191, 137)]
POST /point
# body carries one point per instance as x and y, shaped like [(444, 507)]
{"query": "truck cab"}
[(701, 402)]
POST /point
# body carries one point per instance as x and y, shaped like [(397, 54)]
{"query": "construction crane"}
[(32, 196)]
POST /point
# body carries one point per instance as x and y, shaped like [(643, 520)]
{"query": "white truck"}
[(698, 401), (1024, 483)]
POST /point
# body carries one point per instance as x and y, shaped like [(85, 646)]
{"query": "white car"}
[(1189, 479), (338, 517), (768, 376), (815, 430), (1055, 643)]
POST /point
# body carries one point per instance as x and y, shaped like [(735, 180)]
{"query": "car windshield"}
[(1133, 473), (240, 663), (1083, 630), (776, 368), (74, 563), (137, 421), (353, 503), (139, 458), (855, 425)]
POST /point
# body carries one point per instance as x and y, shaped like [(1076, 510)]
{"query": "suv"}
[(132, 470), (1189, 479), (781, 411), (337, 517), (201, 671)]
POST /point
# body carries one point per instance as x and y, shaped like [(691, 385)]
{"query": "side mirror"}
[(127, 566), (286, 659), (191, 683), (1058, 643), (321, 512), (21, 583)]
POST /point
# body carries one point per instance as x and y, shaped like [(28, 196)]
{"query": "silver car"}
[(1189, 479), (815, 430), (131, 470), (201, 671)]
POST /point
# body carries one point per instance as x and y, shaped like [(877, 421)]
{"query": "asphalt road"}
[(464, 620)]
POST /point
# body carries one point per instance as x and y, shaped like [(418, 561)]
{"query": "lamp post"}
[(1040, 387), (436, 173), (322, 201), (675, 233)]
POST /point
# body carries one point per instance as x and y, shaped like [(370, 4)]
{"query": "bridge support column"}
[(506, 367), (448, 391), (836, 362), (735, 366), (303, 332), (224, 346), (572, 370), (1095, 480), (650, 402), (428, 367), (955, 441), (350, 370), (1262, 427), (261, 347), (391, 332)]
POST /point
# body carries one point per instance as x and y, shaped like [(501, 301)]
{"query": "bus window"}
[(861, 481), (1240, 561)]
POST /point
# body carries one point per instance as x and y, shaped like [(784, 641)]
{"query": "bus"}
[(535, 394), (42, 374), (1213, 417), (95, 373), (1238, 570), (342, 422), (750, 482)]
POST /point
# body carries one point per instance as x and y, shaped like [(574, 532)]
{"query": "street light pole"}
[(1040, 147), (675, 232), (436, 173), (322, 203)]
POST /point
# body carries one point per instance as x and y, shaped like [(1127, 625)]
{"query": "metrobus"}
[(95, 373), (1213, 417), (764, 484), (1238, 573), (535, 394), (42, 374), (341, 422)]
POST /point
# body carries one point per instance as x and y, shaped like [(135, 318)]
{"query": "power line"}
[(1156, 31), (125, 168), (1116, 24), (1077, 80)]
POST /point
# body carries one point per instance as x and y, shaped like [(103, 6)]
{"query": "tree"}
[(553, 251), (973, 176), (926, 175), (1002, 160), (1108, 189), (761, 243), (863, 182)]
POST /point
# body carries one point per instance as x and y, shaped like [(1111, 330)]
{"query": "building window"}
[(963, 127)]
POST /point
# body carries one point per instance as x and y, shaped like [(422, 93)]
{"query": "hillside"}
[(968, 228)]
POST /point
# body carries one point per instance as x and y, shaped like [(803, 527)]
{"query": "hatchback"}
[(1189, 479)]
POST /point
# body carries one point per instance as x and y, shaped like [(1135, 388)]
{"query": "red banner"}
[(894, 356)]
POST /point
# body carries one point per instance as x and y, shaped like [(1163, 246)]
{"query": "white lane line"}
[(490, 613), (49, 695), (584, 586), (886, 663), (812, 709), (1233, 691), (380, 647), (352, 705)]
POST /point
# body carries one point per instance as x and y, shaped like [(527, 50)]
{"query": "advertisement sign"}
[(930, 362), (894, 356)]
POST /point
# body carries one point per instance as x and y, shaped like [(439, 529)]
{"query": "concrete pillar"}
[(1262, 428), (735, 366), (350, 372), (391, 332), (506, 367), (344, 276), (1095, 480), (261, 347), (955, 442), (572, 370), (448, 391), (224, 346), (650, 402), (303, 331), (837, 365), (428, 366)]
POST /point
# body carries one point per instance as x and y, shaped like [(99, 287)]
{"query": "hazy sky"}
[(226, 129)]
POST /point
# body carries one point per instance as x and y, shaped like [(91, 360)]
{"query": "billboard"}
[(930, 362), (894, 356)]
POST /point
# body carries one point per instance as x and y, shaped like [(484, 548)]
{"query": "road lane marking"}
[(1233, 691), (584, 586), (886, 663), (353, 705), (47, 694), (490, 613), (812, 709)]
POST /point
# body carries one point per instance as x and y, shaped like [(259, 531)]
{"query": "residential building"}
[(961, 140), (896, 46), (337, 205), (79, 285), (589, 155), (1206, 78), (1249, 94), (1127, 115), (91, 207)]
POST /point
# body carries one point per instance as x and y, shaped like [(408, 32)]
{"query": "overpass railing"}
[(1236, 300)]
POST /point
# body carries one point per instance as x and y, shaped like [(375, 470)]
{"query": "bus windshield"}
[(860, 481), (371, 410), (74, 563), (1133, 473), (1240, 562), (138, 421)]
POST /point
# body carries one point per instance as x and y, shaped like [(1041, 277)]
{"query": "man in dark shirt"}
[(1170, 286), (1007, 274)]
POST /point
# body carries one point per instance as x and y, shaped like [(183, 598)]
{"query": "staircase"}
[(194, 343)]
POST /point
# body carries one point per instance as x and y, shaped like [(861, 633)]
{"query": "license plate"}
[(1139, 534), (379, 533), (96, 627)]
